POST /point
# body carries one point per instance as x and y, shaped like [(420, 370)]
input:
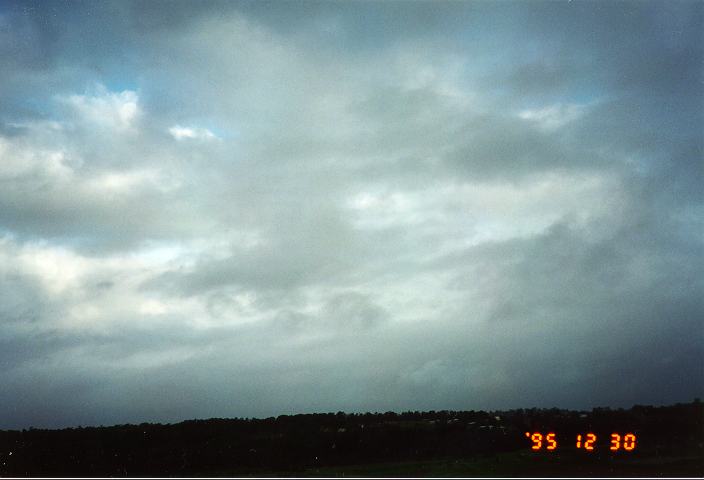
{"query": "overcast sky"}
[(253, 209)]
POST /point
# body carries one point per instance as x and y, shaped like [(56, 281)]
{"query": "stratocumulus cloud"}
[(229, 209)]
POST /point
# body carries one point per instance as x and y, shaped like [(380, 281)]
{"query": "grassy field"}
[(413, 444), (516, 464)]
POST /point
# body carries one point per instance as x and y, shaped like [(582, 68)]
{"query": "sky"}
[(247, 209)]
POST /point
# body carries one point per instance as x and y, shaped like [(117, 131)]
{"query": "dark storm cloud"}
[(235, 209)]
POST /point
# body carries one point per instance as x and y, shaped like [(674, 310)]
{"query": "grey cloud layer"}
[(240, 209)]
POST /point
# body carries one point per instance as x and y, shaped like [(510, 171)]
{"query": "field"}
[(521, 464), (410, 444)]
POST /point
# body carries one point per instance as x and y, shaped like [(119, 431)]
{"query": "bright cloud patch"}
[(554, 116), (184, 133), (114, 111), (19, 162), (129, 181)]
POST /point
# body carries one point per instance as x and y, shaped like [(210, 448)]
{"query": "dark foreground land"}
[(670, 442)]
